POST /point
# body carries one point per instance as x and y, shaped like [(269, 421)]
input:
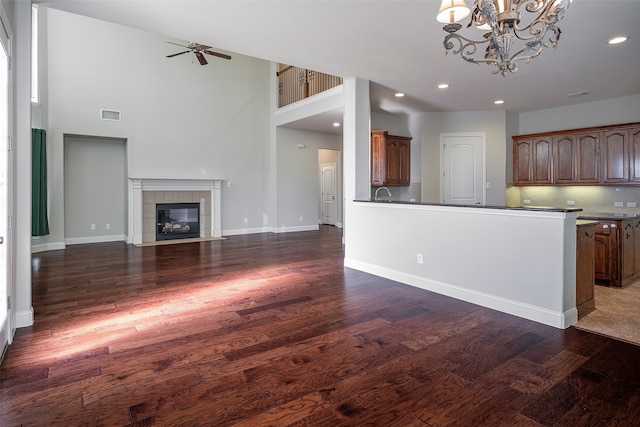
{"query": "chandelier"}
[(507, 40)]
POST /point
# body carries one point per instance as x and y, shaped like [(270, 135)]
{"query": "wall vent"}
[(110, 115)]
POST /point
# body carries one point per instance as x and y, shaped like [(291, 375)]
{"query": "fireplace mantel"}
[(138, 185)]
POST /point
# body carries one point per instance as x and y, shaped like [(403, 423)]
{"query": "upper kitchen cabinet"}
[(390, 159), (608, 155)]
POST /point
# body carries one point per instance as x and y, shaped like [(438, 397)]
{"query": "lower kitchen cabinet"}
[(585, 268), (617, 252)]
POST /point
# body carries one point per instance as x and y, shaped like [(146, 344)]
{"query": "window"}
[(35, 89)]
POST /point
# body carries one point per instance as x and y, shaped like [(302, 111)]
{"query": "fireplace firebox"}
[(177, 221)]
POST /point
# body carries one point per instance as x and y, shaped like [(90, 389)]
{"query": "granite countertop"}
[(515, 208), (583, 222), (615, 216)]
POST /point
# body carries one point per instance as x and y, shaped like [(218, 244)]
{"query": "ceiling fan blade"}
[(178, 44), (176, 54), (219, 55), (201, 58), (202, 46)]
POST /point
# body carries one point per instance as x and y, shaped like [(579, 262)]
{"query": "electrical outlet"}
[(631, 204), (108, 226), (618, 204), (419, 259), (301, 218), (571, 203), (93, 226), (246, 220), (526, 202)]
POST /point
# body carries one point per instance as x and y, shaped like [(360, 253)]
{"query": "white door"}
[(463, 168), (5, 166), (328, 171)]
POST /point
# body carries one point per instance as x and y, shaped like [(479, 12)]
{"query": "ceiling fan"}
[(198, 49)]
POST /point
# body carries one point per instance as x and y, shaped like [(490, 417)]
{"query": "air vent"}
[(110, 115)]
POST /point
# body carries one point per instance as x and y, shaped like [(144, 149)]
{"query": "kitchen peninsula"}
[(518, 260)]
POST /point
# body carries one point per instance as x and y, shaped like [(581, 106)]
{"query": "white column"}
[(216, 211), (135, 210)]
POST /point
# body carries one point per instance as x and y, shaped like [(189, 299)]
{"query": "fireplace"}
[(146, 193), (177, 221)]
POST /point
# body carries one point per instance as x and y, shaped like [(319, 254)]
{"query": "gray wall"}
[(492, 123), (297, 176), (94, 189), (180, 119)]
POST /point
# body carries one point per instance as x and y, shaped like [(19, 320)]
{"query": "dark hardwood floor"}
[(271, 330)]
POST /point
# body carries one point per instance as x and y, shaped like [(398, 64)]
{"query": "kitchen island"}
[(518, 260)]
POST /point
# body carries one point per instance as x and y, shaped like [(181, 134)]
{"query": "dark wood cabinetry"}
[(585, 269), (617, 252), (608, 155), (390, 159)]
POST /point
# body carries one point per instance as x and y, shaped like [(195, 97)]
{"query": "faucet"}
[(380, 188)]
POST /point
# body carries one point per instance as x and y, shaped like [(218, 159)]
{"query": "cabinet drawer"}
[(607, 228)]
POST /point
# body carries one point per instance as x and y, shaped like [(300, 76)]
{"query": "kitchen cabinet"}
[(390, 159), (585, 268), (587, 158), (615, 156), (533, 160), (605, 252), (617, 252), (606, 155)]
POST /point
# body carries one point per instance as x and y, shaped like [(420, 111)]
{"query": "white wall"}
[(518, 262), (181, 119)]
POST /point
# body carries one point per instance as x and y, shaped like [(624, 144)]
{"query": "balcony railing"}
[(295, 83)]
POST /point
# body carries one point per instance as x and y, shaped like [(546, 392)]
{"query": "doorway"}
[(5, 185), (462, 162), (328, 193), (329, 187)]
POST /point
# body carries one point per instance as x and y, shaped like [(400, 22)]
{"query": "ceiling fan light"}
[(618, 40), (452, 11)]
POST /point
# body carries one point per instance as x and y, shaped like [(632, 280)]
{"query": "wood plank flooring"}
[(272, 330)]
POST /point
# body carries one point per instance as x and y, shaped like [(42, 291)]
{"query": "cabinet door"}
[(393, 162), (378, 158), (585, 271), (587, 157), (634, 154), (605, 253), (636, 247), (627, 237), (522, 161), (615, 156), (564, 159), (542, 160), (404, 162)]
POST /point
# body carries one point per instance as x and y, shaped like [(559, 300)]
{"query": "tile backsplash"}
[(589, 198)]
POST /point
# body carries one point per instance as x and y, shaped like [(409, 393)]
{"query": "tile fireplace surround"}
[(147, 191)]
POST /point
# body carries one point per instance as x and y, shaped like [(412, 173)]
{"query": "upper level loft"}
[(295, 83)]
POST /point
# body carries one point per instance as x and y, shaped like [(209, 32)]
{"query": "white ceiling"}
[(397, 45)]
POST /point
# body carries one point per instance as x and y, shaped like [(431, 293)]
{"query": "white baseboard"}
[(95, 239), (537, 314), (48, 247), (240, 231), (297, 228), (24, 318)]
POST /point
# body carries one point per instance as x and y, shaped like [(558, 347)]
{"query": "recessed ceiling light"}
[(498, 101), (443, 86), (399, 95), (618, 40), (336, 125)]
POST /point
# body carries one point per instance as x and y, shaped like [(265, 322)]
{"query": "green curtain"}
[(39, 216)]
